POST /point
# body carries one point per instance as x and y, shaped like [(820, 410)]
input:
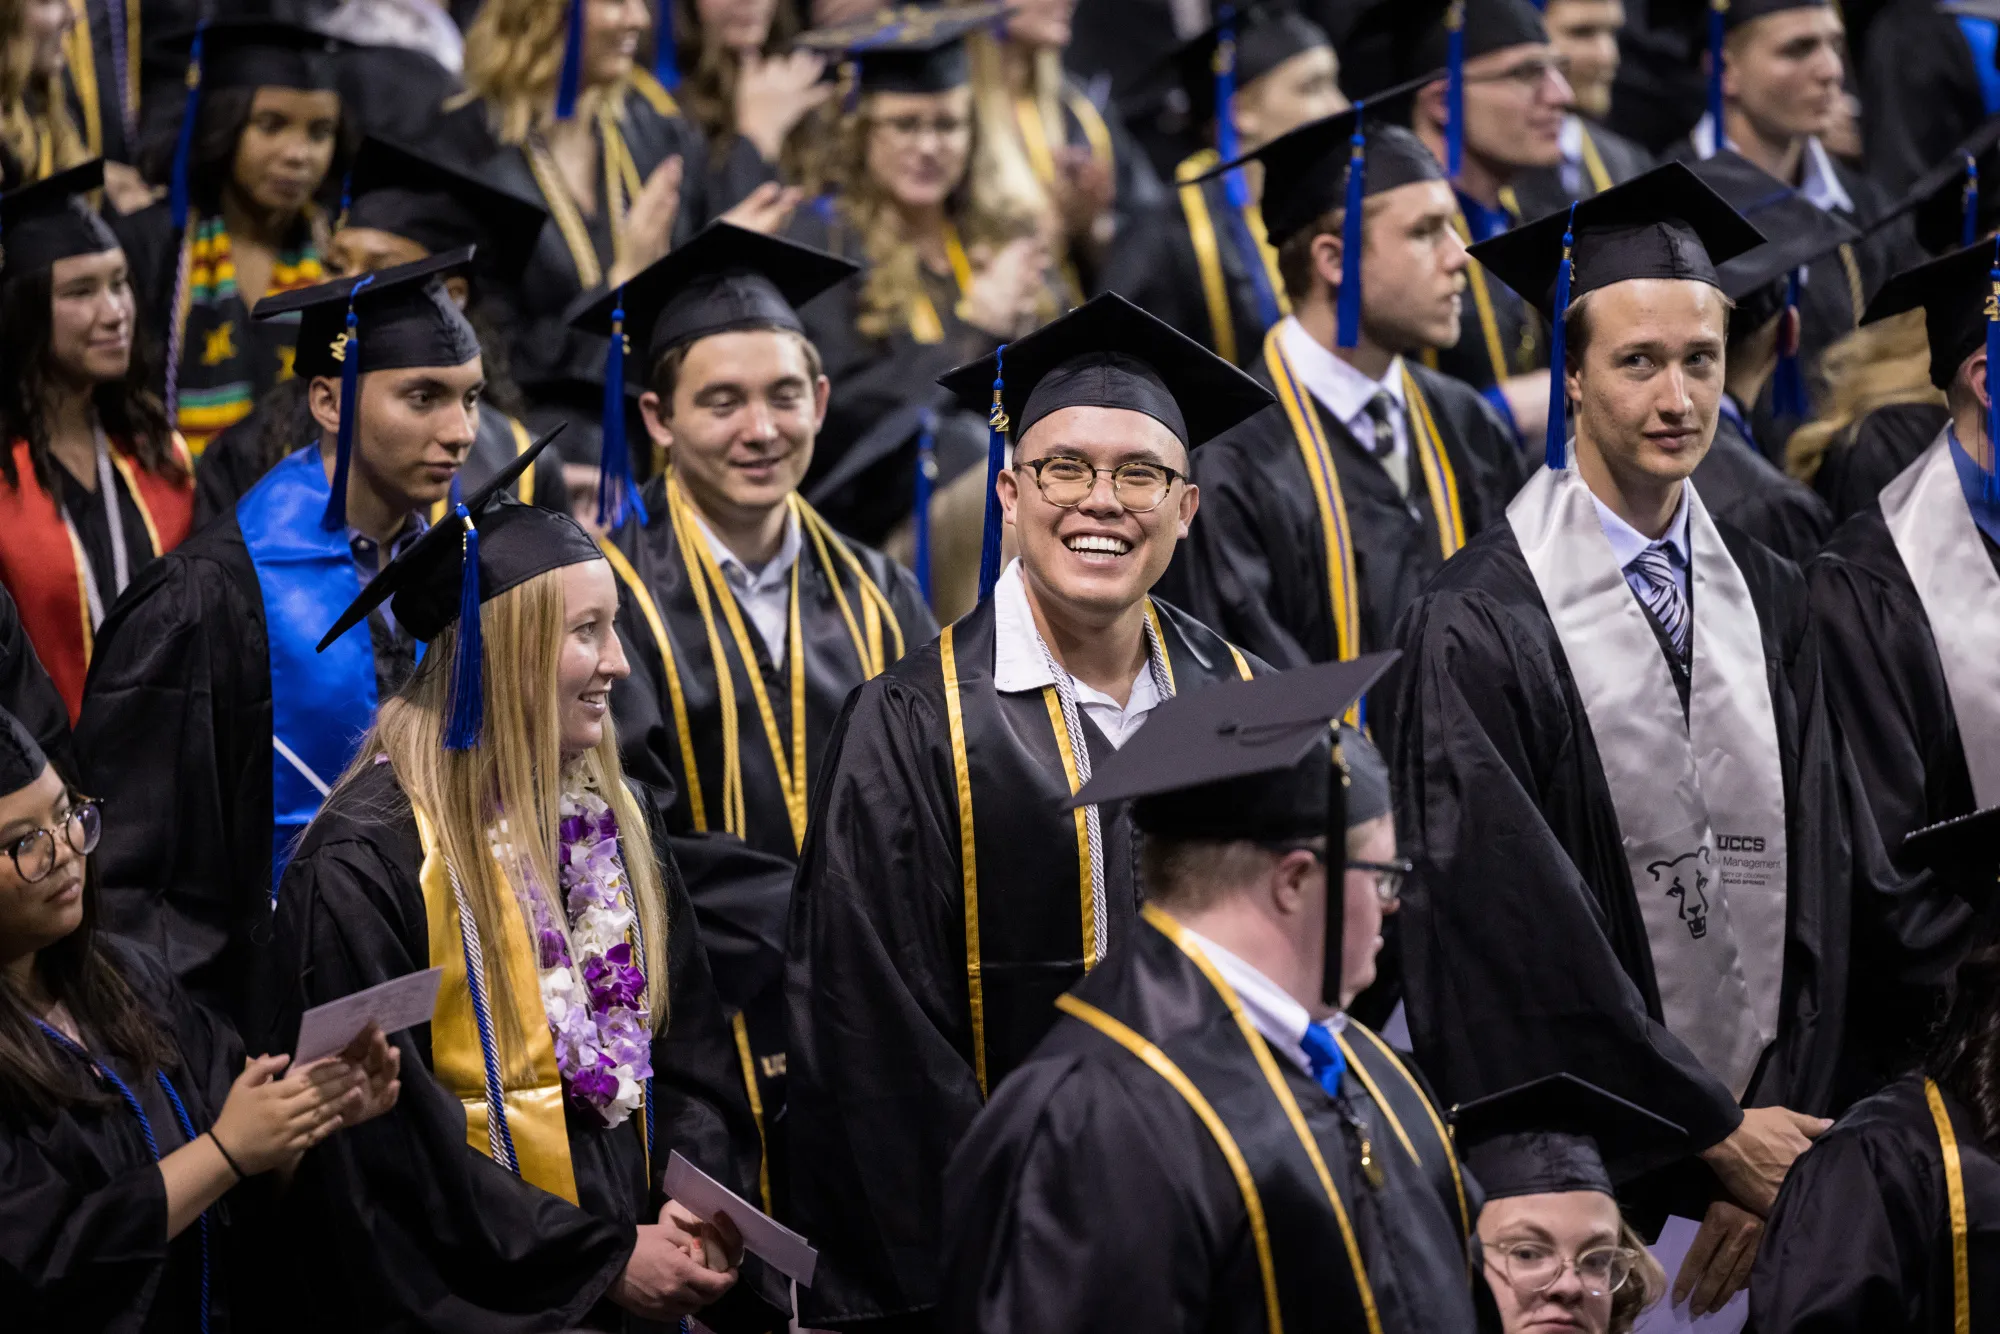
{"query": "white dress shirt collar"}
[(1019, 665), (1627, 542), (1339, 387), (765, 594), (1270, 1008)]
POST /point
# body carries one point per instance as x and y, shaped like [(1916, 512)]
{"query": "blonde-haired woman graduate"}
[(485, 828)]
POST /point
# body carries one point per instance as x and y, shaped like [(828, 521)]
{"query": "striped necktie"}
[(1651, 575)]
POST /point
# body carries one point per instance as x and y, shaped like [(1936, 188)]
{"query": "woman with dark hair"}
[(1892, 1219), (127, 1112), (94, 485), (740, 81), (240, 221)]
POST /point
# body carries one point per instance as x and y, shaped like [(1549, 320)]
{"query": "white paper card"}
[(705, 1197), (1676, 1238), (400, 1003)]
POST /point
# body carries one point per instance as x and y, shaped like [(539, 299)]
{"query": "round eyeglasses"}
[(1532, 1268), (34, 853), (1067, 482)]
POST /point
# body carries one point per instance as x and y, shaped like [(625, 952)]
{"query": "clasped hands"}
[(679, 1265)]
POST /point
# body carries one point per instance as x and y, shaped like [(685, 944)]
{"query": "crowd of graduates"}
[(1144, 664)]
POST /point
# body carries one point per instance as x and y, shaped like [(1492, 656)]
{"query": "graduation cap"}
[(489, 544), (395, 189), (388, 320), (1725, 17), (1765, 281), (1341, 160), (1396, 41), (1559, 1134), (1107, 353), (1246, 42), (725, 279), (21, 757), (1959, 294), (1957, 200), (909, 49), (1248, 760), (51, 220), (1964, 852), (1668, 223)]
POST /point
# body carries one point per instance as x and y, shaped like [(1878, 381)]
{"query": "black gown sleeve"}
[(1227, 571), (27, 692)]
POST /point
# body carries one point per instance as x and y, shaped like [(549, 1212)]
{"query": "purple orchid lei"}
[(593, 992)]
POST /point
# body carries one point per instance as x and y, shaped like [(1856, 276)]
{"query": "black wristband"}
[(241, 1175)]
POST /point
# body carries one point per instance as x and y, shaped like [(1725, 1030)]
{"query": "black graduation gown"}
[(872, 378), (741, 887), (1254, 564), (96, 101), (1868, 455), (1742, 487), (883, 1043), (1828, 311), (27, 692), (1524, 950), (1860, 1239), (1090, 1196), (1921, 89), (445, 1237), (83, 1240), (1540, 190), (175, 737), (1156, 266), (239, 458)]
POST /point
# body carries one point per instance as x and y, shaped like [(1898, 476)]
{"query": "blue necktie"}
[(1324, 1054)]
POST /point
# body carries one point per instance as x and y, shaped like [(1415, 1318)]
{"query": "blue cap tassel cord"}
[(1348, 313), (996, 459), (666, 55), (347, 351), (1454, 89), (1234, 189), (569, 84), (1968, 225), (1788, 382), (1717, 10), (1990, 466), (468, 697), (921, 510), (617, 484), (1555, 452)]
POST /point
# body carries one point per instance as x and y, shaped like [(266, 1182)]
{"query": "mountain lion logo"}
[(1686, 879)]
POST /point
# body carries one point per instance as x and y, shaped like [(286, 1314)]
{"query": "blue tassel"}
[(570, 84), (177, 183), (1348, 333), (1225, 82), (617, 485), (1555, 452), (1988, 464), (468, 698), (1969, 221), (1788, 383), (1716, 10), (348, 353), (921, 513), (1454, 90), (666, 56), (996, 459)]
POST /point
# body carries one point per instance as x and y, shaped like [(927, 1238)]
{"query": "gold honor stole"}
[(1440, 482), (925, 326), (711, 590), (1163, 1065), (1954, 1187), (81, 56), (621, 183), (961, 768), (1593, 162), (1208, 254)]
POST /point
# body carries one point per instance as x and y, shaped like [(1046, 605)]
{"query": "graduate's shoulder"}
[(906, 697), (1890, 1128), (1464, 405), (367, 815), (1862, 550), (1210, 649), (206, 585), (1777, 584)]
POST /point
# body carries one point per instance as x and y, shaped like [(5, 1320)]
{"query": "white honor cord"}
[(1156, 662), (121, 564)]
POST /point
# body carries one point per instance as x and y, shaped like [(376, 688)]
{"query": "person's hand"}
[(127, 189), (661, 1281), (1753, 1161), (766, 209), (717, 1245), (267, 1121), (1006, 287), (381, 1066), (1085, 191), (773, 94), (1718, 1264), (649, 222)]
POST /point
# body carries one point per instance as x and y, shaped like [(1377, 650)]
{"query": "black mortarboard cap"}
[(1956, 201), (1559, 1134), (1368, 796), (1952, 291), (1395, 41), (908, 49), (1964, 853), (255, 53), (1106, 353), (21, 758), (395, 189), (51, 220), (392, 319), (1263, 36), (1247, 760)]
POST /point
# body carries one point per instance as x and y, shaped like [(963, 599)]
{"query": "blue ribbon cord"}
[(617, 484), (177, 185), (1987, 462), (1454, 90), (569, 85), (1716, 10), (1969, 220), (1348, 332), (1788, 382), (666, 56), (349, 354), (996, 459), (1555, 452), (921, 512), (468, 698)]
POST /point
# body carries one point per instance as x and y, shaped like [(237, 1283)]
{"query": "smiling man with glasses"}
[(945, 896)]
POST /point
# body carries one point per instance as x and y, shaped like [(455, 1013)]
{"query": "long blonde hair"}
[(32, 104), (1886, 362), (1003, 172), (516, 772), (513, 61)]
